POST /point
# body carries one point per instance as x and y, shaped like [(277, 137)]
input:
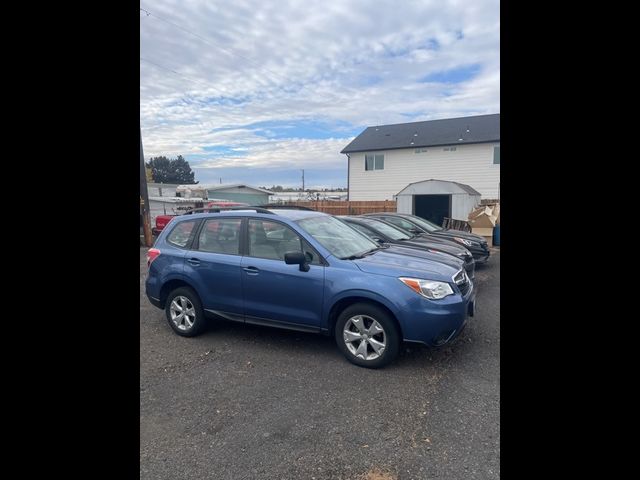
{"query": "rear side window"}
[(181, 233), (220, 235)]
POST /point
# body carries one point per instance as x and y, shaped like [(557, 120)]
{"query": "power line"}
[(183, 76)]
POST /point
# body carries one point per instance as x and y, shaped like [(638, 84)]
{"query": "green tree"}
[(171, 170)]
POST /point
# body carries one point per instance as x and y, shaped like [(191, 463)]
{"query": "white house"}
[(384, 159)]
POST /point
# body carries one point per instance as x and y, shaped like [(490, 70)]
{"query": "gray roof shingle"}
[(447, 131)]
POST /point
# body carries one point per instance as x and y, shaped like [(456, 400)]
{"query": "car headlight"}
[(463, 240), (428, 288)]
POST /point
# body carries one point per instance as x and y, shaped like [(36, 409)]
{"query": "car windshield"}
[(340, 239), (392, 232), (425, 224)]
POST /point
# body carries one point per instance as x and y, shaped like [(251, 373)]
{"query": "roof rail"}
[(287, 207), (222, 209)]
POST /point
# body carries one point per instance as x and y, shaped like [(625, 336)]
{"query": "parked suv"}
[(307, 271)]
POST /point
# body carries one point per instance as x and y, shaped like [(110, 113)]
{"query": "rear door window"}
[(220, 235), (182, 233)]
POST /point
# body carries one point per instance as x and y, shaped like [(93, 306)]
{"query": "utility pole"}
[(303, 180), (144, 200)]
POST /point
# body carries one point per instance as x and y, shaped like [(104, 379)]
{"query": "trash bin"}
[(496, 235)]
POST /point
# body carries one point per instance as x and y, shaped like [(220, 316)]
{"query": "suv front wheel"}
[(184, 312), (367, 335)]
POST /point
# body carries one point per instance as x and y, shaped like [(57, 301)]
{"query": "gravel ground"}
[(249, 402)]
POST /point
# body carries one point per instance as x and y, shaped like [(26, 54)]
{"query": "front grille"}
[(462, 280), (470, 268)]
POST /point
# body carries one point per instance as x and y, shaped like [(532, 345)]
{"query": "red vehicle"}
[(163, 220)]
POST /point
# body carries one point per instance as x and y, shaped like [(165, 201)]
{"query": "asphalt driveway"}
[(249, 402)]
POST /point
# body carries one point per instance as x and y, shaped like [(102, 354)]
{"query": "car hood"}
[(394, 264), (447, 246), (459, 234), (441, 257)]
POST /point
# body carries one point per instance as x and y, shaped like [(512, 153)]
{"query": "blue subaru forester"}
[(307, 271)]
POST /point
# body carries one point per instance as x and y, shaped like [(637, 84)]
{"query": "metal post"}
[(144, 200)]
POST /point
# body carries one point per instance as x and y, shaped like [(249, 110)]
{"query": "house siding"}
[(469, 164)]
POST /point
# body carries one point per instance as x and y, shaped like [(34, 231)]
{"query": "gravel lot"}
[(249, 402)]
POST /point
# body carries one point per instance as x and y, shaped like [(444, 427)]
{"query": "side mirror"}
[(378, 240), (297, 258)]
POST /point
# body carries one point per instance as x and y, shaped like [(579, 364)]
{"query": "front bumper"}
[(438, 322), (470, 268), (480, 254)]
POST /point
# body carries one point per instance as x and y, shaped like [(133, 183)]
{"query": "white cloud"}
[(286, 154), (353, 61)]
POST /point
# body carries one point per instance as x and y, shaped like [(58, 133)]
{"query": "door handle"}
[(251, 270), (194, 261)]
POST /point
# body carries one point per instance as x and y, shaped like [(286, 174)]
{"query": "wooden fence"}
[(347, 207)]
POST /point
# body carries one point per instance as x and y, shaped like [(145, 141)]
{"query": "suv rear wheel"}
[(367, 335), (184, 312)]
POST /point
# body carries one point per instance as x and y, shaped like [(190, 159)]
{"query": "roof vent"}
[(467, 129), (415, 134)]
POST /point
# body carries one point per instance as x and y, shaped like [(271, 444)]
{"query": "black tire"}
[(199, 322), (391, 335)]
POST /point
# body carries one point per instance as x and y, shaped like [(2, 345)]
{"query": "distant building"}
[(238, 192), (161, 189), (385, 159)]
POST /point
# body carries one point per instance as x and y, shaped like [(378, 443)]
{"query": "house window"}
[(373, 161), (496, 155)]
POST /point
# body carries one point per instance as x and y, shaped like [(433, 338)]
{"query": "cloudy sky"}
[(253, 91)]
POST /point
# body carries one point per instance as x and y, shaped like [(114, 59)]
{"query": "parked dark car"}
[(383, 232), (476, 244), (306, 271)]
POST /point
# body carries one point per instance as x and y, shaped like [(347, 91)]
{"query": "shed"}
[(238, 192), (161, 189), (436, 199)]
